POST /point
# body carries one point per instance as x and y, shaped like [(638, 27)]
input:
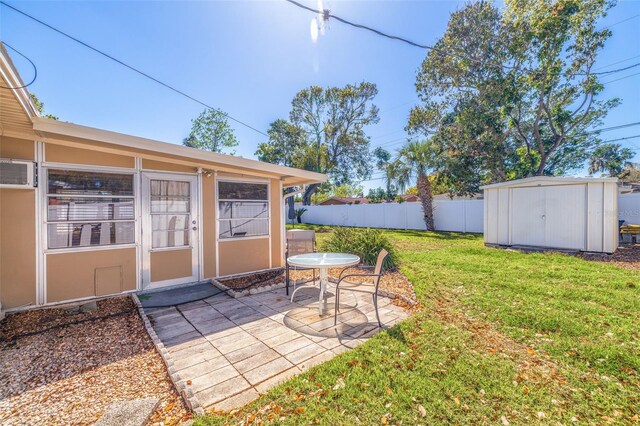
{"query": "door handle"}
[(195, 228)]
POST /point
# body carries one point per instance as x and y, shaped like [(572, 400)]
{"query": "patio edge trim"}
[(246, 292), (179, 384)]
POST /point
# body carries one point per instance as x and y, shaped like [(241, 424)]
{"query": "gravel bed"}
[(391, 281), (627, 256), (256, 280), (69, 374)]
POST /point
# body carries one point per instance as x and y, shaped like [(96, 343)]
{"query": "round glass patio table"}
[(322, 262)]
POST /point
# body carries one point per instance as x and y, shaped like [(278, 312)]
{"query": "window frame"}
[(220, 220), (82, 168)]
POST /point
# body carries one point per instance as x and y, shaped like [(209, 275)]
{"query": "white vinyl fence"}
[(629, 208), (449, 215)]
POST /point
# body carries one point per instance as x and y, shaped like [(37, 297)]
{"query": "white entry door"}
[(169, 229)]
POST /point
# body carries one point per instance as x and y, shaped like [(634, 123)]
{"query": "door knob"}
[(195, 228)]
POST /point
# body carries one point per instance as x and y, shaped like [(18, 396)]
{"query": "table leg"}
[(324, 277)]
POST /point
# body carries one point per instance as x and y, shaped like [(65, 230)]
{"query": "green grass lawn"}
[(502, 337)]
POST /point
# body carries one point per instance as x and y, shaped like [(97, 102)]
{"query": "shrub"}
[(366, 243)]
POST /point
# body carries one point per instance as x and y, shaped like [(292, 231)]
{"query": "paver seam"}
[(178, 382)]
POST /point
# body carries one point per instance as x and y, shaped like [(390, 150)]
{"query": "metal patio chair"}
[(299, 241), (344, 284)]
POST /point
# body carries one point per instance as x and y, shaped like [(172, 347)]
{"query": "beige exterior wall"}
[(208, 224), (18, 149), (276, 224), (79, 274), (170, 264), (17, 247), (17, 233), (238, 256), (166, 166), (64, 154), (73, 275)]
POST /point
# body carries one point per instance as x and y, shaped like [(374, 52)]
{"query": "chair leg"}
[(335, 316), (375, 304), (287, 278)]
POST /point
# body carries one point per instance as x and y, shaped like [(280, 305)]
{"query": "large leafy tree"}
[(513, 94), (285, 143), (333, 122), (211, 131)]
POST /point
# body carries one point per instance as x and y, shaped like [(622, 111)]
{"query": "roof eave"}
[(288, 175)]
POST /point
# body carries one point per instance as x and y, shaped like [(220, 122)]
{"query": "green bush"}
[(366, 243)]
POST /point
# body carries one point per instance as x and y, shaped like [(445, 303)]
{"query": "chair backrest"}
[(300, 241), (381, 257), (378, 269)]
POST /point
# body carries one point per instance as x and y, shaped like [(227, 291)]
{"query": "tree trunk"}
[(426, 197), (308, 192), (291, 211)]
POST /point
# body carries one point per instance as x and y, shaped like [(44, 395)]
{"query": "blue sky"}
[(249, 58)]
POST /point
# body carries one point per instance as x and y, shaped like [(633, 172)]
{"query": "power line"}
[(606, 129), (616, 70), (142, 73), (35, 69), (621, 78), (622, 139), (326, 15), (620, 22), (618, 62)]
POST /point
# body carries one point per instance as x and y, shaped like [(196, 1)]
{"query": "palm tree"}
[(610, 158), (414, 161)]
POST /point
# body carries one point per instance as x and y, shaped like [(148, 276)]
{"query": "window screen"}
[(87, 209), (243, 209)]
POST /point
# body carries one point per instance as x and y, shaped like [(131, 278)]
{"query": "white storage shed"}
[(553, 212)]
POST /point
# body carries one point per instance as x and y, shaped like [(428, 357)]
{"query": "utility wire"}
[(617, 62), (621, 78), (622, 139), (142, 73), (620, 22), (616, 70), (326, 15), (606, 129), (35, 69)]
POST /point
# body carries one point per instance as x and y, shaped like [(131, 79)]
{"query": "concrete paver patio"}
[(231, 350)]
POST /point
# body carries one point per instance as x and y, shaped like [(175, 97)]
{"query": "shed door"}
[(549, 216), (566, 216), (528, 216)]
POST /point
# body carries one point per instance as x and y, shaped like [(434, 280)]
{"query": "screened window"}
[(86, 208), (243, 209)]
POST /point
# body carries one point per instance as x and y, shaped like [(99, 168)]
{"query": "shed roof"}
[(546, 181)]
